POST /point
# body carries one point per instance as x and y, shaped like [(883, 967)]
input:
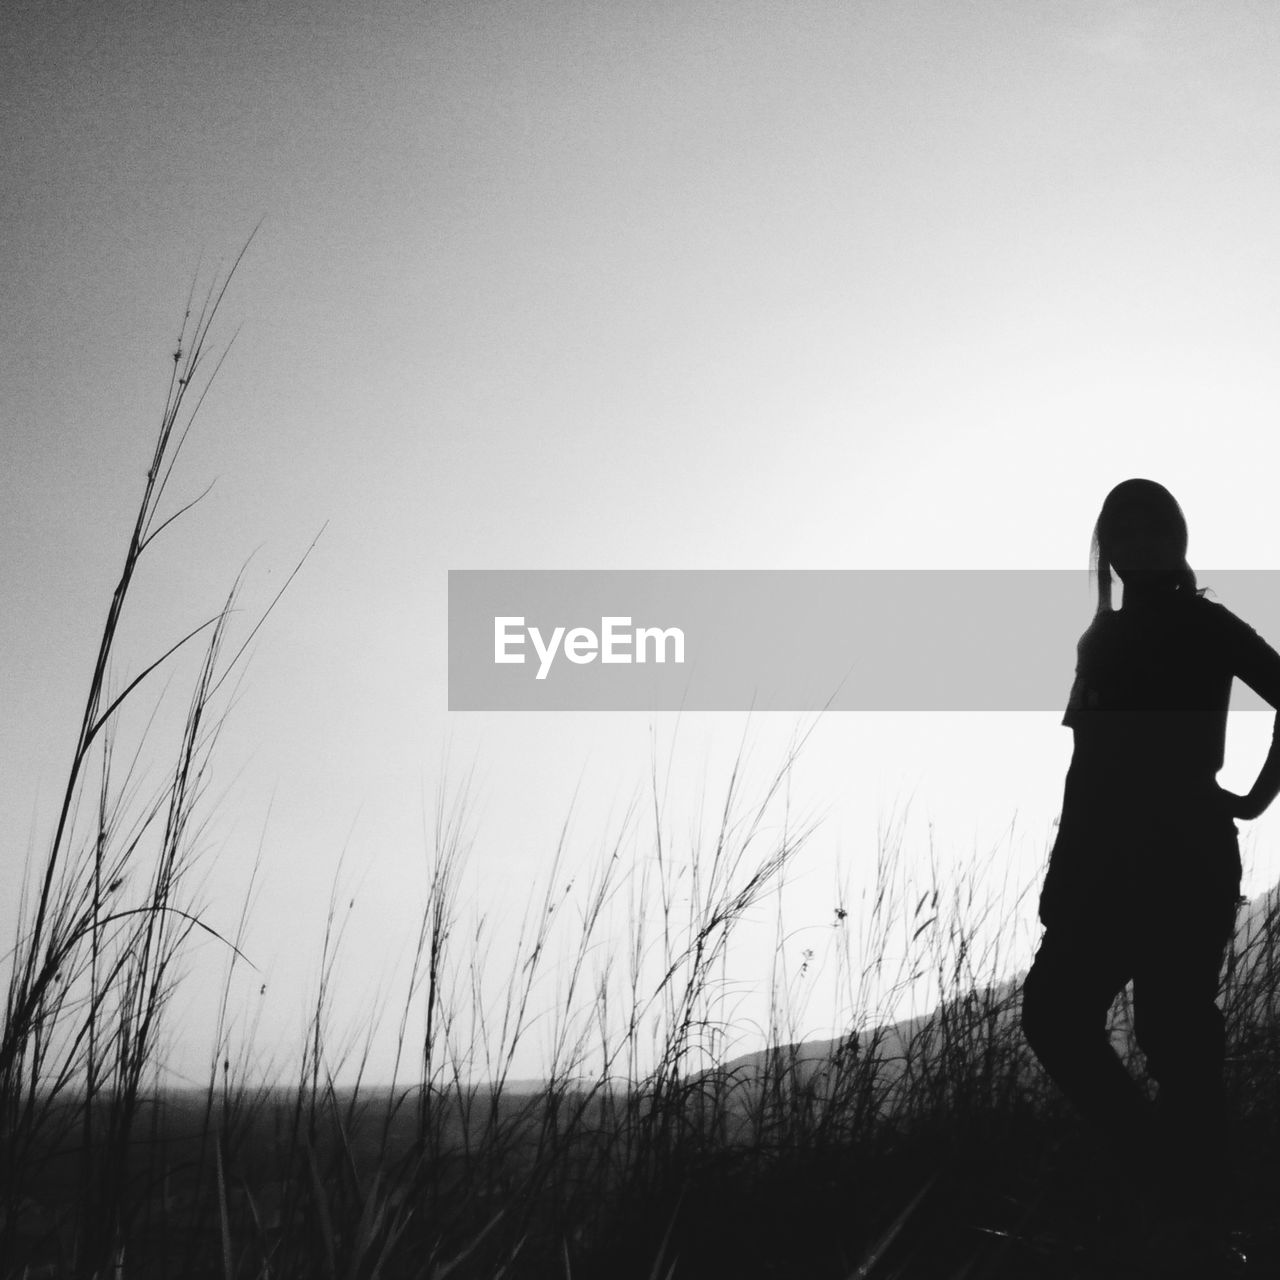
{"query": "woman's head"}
[(1141, 534)]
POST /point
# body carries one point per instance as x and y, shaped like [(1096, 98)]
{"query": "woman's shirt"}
[(1142, 816), (1149, 703)]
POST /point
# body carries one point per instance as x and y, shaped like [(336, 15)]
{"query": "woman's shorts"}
[(1177, 861)]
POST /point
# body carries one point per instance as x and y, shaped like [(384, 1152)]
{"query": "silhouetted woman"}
[(1144, 876)]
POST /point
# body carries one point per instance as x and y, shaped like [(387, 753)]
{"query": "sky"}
[(560, 285)]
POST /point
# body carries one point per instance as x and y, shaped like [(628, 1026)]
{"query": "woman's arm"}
[(1265, 789), (1256, 663)]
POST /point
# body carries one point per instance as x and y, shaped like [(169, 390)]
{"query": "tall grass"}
[(105, 915), (91, 971), (921, 1142)]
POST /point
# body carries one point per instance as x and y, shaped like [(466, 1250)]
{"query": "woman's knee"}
[(1063, 1002), (1046, 1013)]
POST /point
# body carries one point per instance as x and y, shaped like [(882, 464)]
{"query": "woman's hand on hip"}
[(1238, 806)]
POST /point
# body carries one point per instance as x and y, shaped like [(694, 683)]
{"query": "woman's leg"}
[(1065, 1001), (1181, 1031)]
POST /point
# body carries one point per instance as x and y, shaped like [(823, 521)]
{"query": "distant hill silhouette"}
[(818, 1065)]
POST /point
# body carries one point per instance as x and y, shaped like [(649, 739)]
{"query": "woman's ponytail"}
[(1102, 568)]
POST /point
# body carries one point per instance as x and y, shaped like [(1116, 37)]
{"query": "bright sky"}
[(569, 285)]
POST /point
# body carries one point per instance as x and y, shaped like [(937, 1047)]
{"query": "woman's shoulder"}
[(1228, 630), (1214, 613), (1100, 625)]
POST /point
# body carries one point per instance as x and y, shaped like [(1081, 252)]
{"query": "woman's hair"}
[(1159, 506)]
